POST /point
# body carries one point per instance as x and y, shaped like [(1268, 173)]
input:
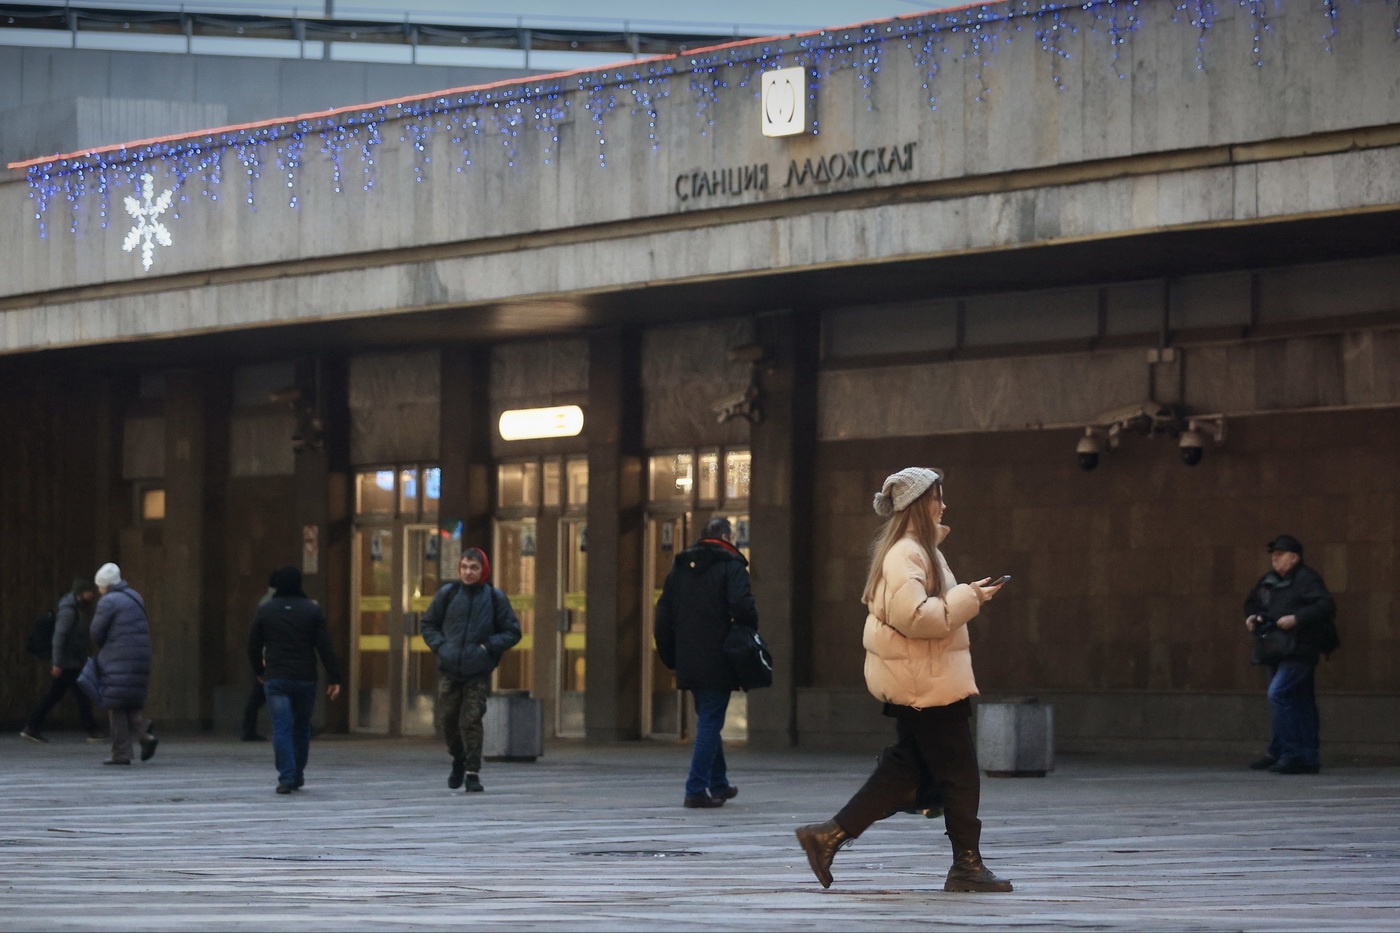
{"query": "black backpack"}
[(40, 640)]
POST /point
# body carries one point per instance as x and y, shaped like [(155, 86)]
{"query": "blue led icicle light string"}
[(970, 35)]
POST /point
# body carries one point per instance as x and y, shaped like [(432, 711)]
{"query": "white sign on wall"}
[(784, 99)]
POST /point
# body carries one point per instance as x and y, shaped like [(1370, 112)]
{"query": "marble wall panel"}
[(685, 370), (394, 407), (143, 447), (260, 443)]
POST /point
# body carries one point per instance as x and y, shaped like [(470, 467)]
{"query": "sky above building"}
[(715, 17)]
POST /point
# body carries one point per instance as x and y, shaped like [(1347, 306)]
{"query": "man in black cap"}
[(289, 631), (1288, 611)]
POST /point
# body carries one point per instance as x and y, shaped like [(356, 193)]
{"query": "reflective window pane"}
[(408, 493), (709, 475), (374, 492), (432, 491), (736, 474), (553, 491), (577, 478), (671, 477), (518, 484)]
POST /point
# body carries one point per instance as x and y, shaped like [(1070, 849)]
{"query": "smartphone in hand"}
[(1004, 578)]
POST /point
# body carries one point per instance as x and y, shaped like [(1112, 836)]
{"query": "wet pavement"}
[(595, 838)]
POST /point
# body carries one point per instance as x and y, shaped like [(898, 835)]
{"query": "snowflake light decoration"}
[(148, 231)]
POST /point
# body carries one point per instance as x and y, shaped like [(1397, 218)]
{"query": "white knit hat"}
[(108, 574), (902, 488)]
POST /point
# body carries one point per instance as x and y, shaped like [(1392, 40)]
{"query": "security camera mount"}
[(1149, 418)]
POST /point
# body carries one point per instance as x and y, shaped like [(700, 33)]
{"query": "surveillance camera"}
[(739, 405), (1088, 450), (1193, 447)]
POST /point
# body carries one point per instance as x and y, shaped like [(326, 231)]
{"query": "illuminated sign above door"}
[(524, 423)]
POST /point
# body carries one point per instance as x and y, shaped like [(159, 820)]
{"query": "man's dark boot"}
[(820, 841), (459, 771), (969, 874)]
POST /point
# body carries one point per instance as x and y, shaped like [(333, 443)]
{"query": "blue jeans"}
[(707, 759), (290, 703), (1294, 710)]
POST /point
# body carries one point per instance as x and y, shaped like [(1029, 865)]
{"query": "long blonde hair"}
[(917, 519)]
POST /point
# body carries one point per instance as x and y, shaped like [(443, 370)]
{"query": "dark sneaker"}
[(728, 793), (473, 783), (285, 788), (254, 737), (116, 761), (455, 776), (703, 801), (96, 737), (1263, 764), (33, 735), (1295, 766)]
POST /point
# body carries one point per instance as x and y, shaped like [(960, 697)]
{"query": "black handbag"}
[(1272, 644), (748, 657)]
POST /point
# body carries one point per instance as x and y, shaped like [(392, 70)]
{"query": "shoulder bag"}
[(748, 657)]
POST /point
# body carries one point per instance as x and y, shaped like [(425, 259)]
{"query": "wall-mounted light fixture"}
[(525, 423)]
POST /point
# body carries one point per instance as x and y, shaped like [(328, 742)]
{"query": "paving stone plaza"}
[(595, 838)]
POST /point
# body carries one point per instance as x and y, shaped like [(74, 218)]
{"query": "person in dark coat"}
[(289, 632), (1292, 598), (706, 590), (117, 676), (468, 625), (70, 651)]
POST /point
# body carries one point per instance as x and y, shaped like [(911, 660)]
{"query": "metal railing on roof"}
[(304, 23)]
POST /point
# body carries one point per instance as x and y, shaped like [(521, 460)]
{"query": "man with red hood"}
[(706, 591), (468, 625)]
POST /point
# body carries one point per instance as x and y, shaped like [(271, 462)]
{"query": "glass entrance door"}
[(422, 547), (665, 712), (393, 675), (573, 627), (513, 572)]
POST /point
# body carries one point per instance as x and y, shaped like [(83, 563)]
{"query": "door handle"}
[(410, 623), (566, 619)]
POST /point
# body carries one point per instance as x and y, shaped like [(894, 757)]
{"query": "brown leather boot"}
[(969, 874), (820, 841)]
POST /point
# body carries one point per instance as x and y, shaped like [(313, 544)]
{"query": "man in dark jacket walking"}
[(70, 651), (468, 625), (289, 631), (1292, 598), (122, 667), (706, 590)]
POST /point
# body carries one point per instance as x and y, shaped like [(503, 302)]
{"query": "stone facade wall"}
[(989, 124), (1127, 581)]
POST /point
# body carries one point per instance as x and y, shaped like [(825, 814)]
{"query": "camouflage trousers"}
[(461, 704)]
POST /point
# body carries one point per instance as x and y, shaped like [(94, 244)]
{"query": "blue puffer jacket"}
[(469, 628), (123, 638)]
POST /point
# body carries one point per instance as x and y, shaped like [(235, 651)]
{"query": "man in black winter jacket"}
[(1292, 599), (289, 631), (70, 651), (468, 625), (706, 590)]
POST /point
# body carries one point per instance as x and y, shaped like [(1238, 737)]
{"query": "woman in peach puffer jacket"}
[(919, 664)]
